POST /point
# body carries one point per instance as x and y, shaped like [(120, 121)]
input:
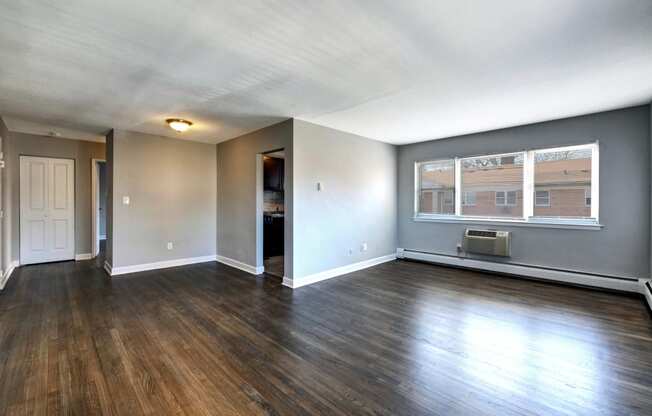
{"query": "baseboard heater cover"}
[(6, 274), (624, 284), (647, 292)]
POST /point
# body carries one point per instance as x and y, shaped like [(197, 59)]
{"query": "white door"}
[(47, 209)]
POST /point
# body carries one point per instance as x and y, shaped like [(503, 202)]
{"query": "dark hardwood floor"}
[(397, 339)]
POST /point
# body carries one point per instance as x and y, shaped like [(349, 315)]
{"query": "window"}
[(541, 198), (468, 198), (497, 182), (540, 186), (505, 198), (587, 197), (436, 187), (565, 174)]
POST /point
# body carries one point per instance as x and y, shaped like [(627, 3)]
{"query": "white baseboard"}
[(107, 267), (572, 277), (83, 256), (7, 274), (338, 271), (240, 265), (115, 271), (646, 289)]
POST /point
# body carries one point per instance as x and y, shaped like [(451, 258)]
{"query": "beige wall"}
[(82, 152), (172, 189)]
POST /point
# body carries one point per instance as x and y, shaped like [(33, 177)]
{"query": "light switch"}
[(125, 200)]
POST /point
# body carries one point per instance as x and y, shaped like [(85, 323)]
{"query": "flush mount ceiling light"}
[(178, 124)]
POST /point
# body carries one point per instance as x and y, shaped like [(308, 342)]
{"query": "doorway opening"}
[(99, 189), (273, 212)]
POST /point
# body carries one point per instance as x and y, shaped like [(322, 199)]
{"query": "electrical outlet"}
[(363, 247), (125, 200), (170, 245), (459, 247)]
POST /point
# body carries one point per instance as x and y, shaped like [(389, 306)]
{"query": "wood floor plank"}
[(401, 338)]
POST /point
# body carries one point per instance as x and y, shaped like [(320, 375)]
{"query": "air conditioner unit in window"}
[(489, 242)]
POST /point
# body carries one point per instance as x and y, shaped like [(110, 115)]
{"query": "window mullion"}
[(595, 181), (417, 187), (528, 185), (458, 186)]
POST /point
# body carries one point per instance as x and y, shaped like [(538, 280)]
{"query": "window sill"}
[(534, 223)]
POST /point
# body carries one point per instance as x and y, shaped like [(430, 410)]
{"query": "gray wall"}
[(5, 230), (171, 184), (237, 210), (32, 145), (357, 203), (622, 248)]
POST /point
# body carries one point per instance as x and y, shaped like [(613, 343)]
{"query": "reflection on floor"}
[(399, 338), (274, 266)]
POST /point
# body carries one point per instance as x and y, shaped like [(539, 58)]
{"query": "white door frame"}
[(260, 211), (95, 205), (260, 264)]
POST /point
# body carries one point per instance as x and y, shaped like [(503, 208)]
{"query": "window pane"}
[(511, 198), (542, 198), (566, 177), (587, 197), (468, 198), (437, 187), (497, 183)]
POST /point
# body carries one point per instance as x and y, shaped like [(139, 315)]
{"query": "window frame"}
[(595, 179), (590, 196), (417, 185), (547, 204), (465, 202), (506, 199), (503, 197), (529, 198), (458, 185)]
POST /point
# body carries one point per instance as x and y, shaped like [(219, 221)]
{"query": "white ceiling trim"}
[(19, 125)]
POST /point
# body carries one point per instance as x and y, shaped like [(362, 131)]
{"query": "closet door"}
[(47, 209)]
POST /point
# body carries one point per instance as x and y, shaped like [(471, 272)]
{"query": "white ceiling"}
[(397, 71)]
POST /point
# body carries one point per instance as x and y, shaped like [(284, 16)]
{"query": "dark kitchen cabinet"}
[(273, 236), (273, 177)]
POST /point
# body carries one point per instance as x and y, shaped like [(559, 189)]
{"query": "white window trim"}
[(506, 204), (465, 202), (417, 188), (458, 187), (595, 172), (504, 197), (590, 196), (534, 222), (545, 205), (529, 200)]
